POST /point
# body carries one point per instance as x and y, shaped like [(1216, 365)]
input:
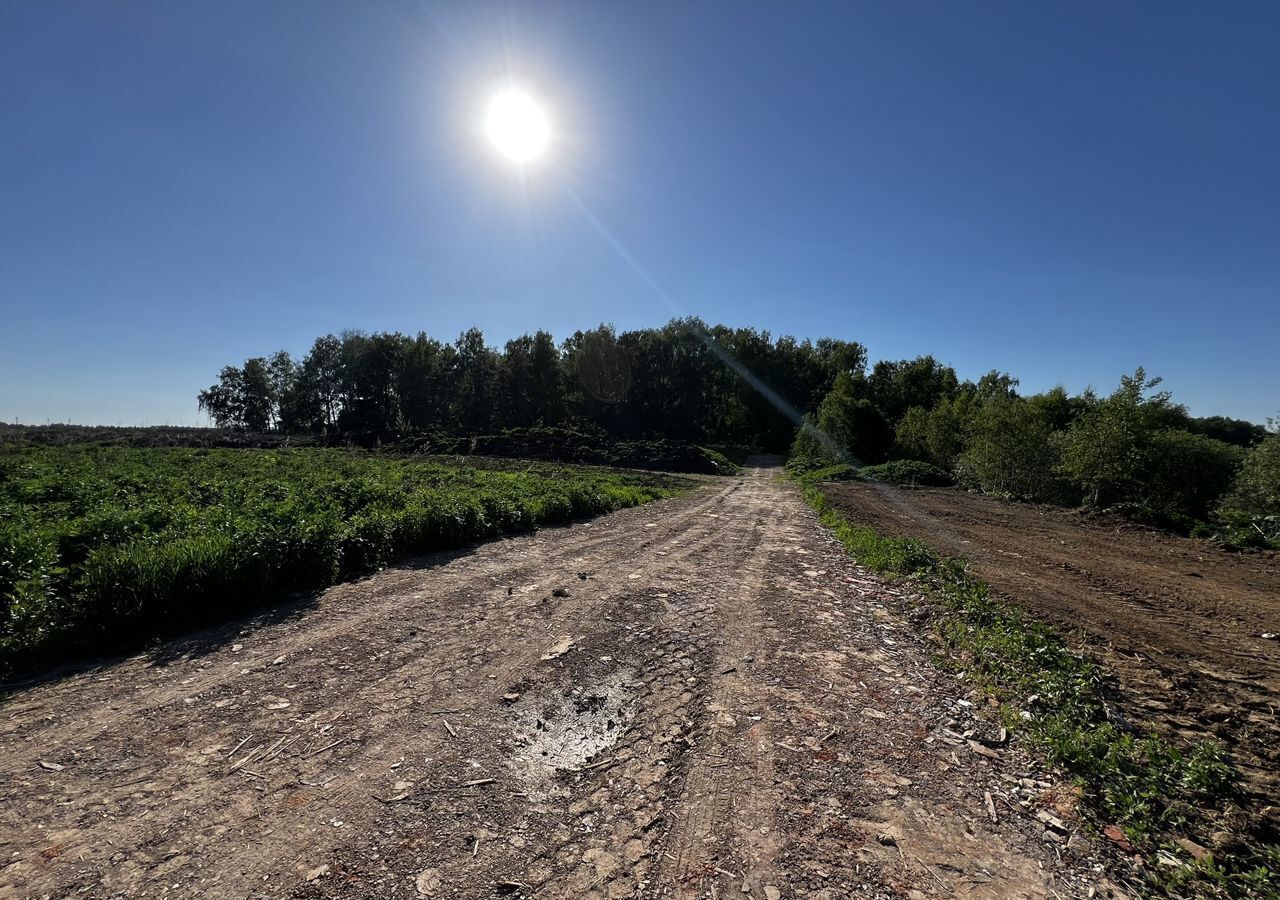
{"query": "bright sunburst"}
[(517, 126)]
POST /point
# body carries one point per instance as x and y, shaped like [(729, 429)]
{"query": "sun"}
[(517, 126)]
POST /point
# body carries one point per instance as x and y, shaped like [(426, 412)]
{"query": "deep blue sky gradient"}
[(1060, 191)]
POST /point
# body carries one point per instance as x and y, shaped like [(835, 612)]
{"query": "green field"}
[(102, 548)]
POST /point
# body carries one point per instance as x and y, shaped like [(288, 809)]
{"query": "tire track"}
[(384, 743)]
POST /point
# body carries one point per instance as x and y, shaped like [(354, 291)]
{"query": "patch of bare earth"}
[(703, 697), (1179, 622)]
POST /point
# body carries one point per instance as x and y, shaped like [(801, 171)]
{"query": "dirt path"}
[(699, 698), (1178, 621)]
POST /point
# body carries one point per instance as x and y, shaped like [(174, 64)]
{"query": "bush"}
[(734, 453), (908, 471), (838, 472), (1252, 508), (1010, 452), (1107, 451), (104, 547), (813, 449), (565, 445), (1188, 473)]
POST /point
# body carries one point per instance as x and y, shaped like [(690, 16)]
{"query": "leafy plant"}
[(907, 471), (101, 547), (1252, 508), (1009, 451)]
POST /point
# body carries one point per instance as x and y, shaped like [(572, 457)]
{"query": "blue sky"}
[(1060, 191)]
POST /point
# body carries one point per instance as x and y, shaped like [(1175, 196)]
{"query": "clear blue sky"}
[(1062, 191)]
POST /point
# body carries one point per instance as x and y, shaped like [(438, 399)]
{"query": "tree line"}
[(681, 381), (717, 385), (1134, 450)]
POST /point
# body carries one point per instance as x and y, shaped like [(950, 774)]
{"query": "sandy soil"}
[(1178, 621), (699, 698)]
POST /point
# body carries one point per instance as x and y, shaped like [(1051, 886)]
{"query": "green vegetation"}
[(563, 445), (1154, 791), (101, 548), (1252, 509), (1134, 451), (908, 472), (681, 382), (654, 397)]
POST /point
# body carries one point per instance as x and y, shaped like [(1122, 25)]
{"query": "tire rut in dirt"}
[(592, 828)]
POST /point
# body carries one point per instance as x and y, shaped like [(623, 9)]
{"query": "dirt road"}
[(1178, 621), (698, 698)]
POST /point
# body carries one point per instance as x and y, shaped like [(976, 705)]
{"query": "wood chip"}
[(326, 747), (983, 750)]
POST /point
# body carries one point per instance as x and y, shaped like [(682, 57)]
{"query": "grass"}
[(103, 548), (1151, 789)]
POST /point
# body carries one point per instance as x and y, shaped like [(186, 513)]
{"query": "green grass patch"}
[(103, 548), (1153, 790)]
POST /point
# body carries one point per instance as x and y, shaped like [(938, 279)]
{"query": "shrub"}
[(1106, 451), (1252, 508), (908, 471), (565, 445), (734, 453), (813, 449), (1010, 452), (838, 472), (106, 547), (1187, 474), (28, 567)]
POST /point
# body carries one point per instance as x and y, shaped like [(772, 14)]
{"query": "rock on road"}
[(702, 697)]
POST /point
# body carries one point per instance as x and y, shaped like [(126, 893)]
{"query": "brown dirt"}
[(724, 706), (1178, 621)]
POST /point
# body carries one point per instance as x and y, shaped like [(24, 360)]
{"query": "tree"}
[(1107, 449), (1187, 474), (426, 386), (475, 381), (1253, 504), (813, 448), (282, 374), (319, 386), (911, 437), (1059, 408), (224, 401), (1009, 451), (242, 398), (895, 387), (996, 385), (1233, 431), (855, 426)]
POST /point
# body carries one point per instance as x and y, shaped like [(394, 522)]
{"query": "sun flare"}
[(517, 126)]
